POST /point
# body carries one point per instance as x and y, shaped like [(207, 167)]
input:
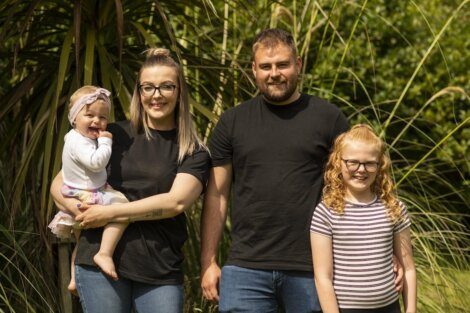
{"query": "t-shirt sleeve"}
[(220, 143), (93, 158), (404, 220), (198, 165), (320, 222), (340, 126)]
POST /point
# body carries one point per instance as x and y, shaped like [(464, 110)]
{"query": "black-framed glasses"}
[(353, 165), (148, 90)]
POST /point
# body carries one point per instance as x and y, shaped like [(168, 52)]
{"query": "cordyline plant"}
[(392, 66)]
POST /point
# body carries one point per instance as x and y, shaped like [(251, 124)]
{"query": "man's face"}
[(276, 72)]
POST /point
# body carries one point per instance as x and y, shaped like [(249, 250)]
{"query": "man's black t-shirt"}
[(149, 251), (278, 154)]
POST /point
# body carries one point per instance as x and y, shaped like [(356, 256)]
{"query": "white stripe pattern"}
[(362, 239)]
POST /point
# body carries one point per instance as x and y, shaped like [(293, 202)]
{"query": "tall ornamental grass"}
[(400, 66)]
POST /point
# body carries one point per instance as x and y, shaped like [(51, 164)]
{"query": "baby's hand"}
[(106, 134)]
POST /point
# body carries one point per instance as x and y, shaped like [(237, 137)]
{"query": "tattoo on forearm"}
[(156, 213)]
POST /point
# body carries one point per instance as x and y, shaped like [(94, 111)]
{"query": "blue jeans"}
[(263, 291), (99, 293)]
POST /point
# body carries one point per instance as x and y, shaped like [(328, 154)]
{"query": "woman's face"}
[(158, 94)]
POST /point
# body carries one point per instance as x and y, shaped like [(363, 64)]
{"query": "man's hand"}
[(210, 277), (398, 270)]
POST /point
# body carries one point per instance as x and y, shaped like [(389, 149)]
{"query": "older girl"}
[(357, 228), (161, 166)]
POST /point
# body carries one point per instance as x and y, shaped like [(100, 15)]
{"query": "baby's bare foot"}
[(72, 288), (105, 262)]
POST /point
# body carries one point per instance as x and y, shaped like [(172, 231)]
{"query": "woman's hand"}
[(95, 216)]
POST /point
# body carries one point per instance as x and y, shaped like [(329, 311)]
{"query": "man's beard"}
[(290, 88)]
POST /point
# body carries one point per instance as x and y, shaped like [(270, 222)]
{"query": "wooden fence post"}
[(64, 275)]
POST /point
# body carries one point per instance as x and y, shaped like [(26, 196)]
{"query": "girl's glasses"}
[(353, 165), (149, 90)]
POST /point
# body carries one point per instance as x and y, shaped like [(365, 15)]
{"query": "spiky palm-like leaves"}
[(393, 66)]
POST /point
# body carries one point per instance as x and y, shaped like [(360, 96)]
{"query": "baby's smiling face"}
[(92, 119)]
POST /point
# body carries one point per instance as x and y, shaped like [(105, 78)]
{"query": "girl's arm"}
[(185, 190), (403, 251), (322, 253), (65, 204)]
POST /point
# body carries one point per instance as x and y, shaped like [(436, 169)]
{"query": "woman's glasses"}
[(353, 165), (148, 90)]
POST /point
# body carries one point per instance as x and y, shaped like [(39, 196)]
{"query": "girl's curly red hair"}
[(334, 189)]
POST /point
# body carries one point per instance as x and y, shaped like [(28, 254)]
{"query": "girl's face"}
[(91, 119), (158, 94), (359, 166)]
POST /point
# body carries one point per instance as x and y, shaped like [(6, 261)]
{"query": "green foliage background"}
[(401, 66)]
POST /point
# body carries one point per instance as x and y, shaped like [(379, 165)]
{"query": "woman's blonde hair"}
[(188, 140), (334, 189)]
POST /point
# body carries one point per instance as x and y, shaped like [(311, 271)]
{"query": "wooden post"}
[(64, 275)]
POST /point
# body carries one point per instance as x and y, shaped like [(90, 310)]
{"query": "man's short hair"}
[(272, 37)]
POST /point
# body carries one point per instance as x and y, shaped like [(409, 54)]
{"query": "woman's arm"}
[(184, 191), (322, 254), (404, 252), (65, 204)]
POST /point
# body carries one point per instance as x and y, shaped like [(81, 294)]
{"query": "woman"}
[(160, 165)]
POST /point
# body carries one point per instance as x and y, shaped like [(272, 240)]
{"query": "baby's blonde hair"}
[(80, 92), (334, 189)]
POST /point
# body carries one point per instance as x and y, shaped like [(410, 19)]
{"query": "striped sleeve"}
[(404, 220), (321, 222)]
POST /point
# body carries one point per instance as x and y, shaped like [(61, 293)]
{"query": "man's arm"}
[(214, 215), (398, 270)]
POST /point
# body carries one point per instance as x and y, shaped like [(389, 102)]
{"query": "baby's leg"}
[(104, 258), (72, 287)]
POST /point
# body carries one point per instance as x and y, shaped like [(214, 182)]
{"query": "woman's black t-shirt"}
[(149, 251)]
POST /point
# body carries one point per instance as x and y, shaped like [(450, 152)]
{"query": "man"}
[(272, 148)]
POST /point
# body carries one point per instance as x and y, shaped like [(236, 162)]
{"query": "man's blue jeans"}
[(263, 291), (99, 293)]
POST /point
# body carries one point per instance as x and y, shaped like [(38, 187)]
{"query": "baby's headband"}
[(89, 98)]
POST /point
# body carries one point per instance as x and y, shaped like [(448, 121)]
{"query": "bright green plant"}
[(399, 66)]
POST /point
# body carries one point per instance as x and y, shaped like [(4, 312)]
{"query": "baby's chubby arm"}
[(95, 158)]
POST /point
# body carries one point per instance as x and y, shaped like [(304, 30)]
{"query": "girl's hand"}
[(95, 216)]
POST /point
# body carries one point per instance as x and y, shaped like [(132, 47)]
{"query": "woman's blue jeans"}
[(99, 293), (251, 290)]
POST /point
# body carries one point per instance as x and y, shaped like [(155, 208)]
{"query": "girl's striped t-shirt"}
[(362, 238)]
